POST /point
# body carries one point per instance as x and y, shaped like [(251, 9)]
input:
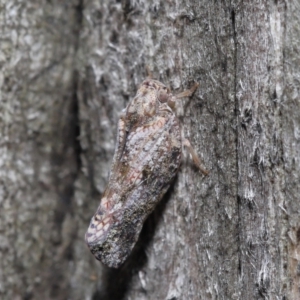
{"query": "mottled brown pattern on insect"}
[(147, 158)]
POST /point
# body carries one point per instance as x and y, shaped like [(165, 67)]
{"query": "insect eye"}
[(163, 96)]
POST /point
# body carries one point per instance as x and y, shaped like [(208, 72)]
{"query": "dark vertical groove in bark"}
[(75, 109), (70, 132), (68, 157), (70, 153), (78, 22), (237, 113)]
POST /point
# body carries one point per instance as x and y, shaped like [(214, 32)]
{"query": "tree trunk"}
[(69, 68)]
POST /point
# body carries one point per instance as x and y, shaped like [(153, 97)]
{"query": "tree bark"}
[(69, 68)]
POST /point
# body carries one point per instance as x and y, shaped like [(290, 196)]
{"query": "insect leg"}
[(195, 157), (188, 93)]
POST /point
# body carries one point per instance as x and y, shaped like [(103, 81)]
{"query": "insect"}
[(146, 159)]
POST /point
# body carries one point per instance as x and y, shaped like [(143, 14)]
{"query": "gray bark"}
[(67, 70)]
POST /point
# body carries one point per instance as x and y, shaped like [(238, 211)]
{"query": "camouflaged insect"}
[(147, 158)]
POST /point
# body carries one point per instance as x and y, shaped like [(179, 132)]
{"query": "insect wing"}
[(140, 177)]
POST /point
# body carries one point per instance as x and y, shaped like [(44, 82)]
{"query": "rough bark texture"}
[(69, 67)]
